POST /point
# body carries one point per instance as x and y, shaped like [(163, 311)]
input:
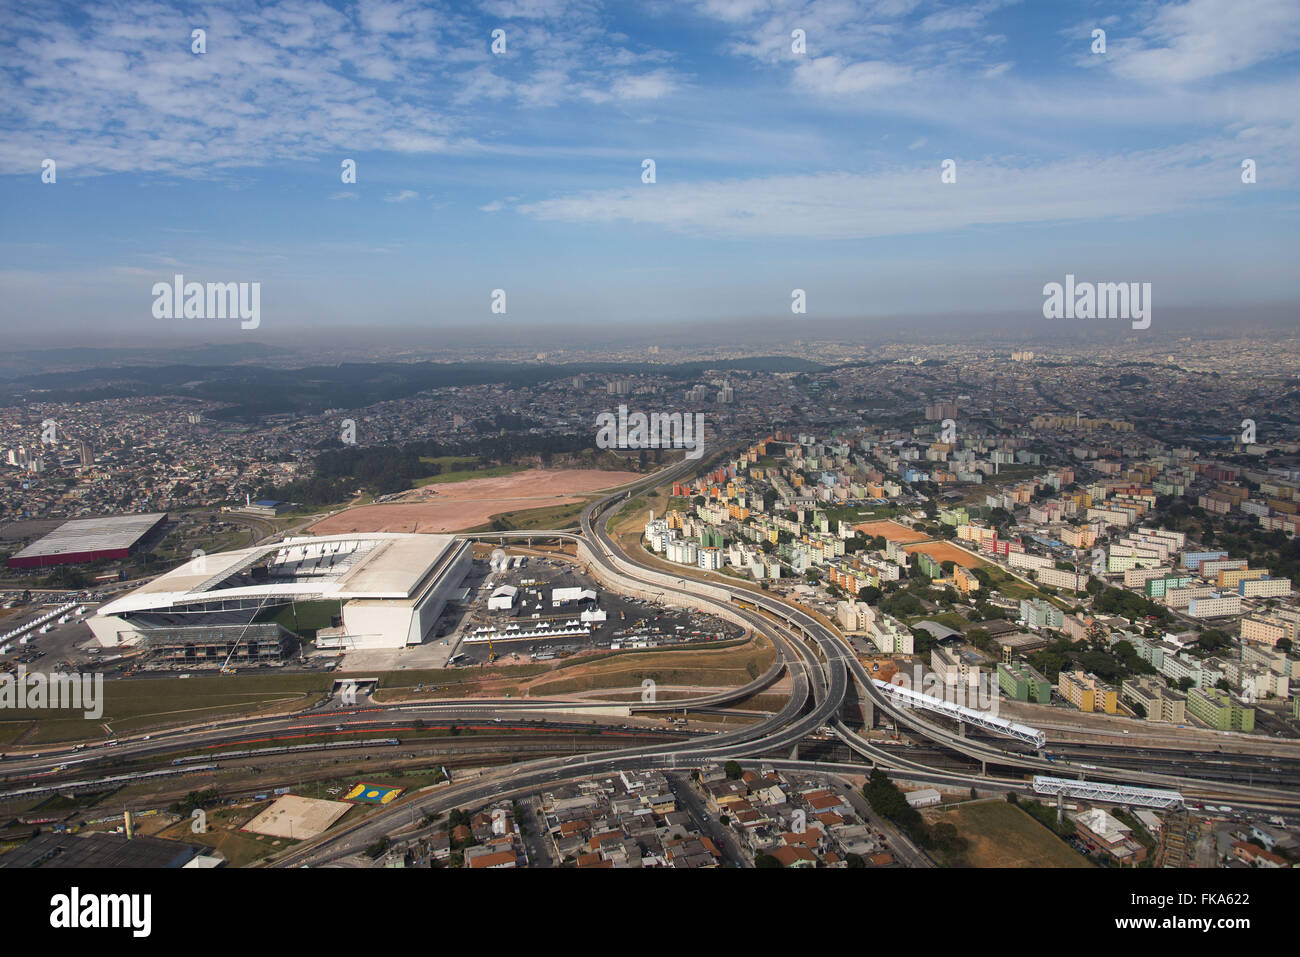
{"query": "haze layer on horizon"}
[(795, 146)]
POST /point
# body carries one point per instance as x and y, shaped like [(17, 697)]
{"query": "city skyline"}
[(451, 435)]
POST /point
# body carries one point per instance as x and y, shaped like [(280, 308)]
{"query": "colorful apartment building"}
[(1087, 692)]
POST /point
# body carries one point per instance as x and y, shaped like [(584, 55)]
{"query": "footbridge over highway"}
[(909, 698), (828, 663)]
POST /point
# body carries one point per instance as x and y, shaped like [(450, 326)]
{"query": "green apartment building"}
[(1159, 587), (1021, 682), (928, 566), (954, 516), (1219, 710)]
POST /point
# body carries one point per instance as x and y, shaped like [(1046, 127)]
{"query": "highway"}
[(820, 665), (837, 656)]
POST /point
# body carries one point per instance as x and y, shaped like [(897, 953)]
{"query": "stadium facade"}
[(390, 588)]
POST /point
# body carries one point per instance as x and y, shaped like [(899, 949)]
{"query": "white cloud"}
[(405, 196), (118, 90), (913, 200), (1196, 39), (970, 17), (832, 76), (647, 86)]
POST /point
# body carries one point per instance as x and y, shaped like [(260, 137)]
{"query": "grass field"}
[(132, 705), (1011, 587), (179, 546), (10, 731), (723, 668), (1002, 835), (567, 674), (240, 848), (464, 475), (305, 618), (448, 461), (549, 516)]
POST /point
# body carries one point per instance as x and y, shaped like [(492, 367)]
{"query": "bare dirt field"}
[(1001, 835), (890, 531), (298, 818), (457, 506), (943, 552)]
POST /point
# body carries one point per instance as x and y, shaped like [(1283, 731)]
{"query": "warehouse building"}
[(89, 540)]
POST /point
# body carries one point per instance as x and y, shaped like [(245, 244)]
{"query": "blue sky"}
[(522, 171)]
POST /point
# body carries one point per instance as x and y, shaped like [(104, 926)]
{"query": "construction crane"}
[(225, 665)]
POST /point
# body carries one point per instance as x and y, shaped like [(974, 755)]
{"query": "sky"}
[(778, 164)]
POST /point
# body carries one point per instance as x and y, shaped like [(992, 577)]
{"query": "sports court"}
[(372, 794)]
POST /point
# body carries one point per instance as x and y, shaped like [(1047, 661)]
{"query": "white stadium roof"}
[(377, 565)]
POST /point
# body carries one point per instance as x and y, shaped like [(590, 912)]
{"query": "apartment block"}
[(1062, 578), (1219, 710), (1214, 606), (1158, 586), (891, 637), (1037, 613), (1159, 702), (955, 668), (1022, 682), (1087, 692), (1265, 588)]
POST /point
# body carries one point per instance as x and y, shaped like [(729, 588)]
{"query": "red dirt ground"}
[(891, 531), (943, 552), (456, 506)]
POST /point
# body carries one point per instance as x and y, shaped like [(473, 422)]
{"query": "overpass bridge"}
[(828, 662)]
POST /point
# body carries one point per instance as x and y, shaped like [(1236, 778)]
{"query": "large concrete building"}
[(390, 589), (89, 540)]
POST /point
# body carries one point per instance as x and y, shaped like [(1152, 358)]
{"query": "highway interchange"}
[(825, 677)]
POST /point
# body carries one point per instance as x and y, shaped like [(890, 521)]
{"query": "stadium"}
[(89, 540), (381, 590)]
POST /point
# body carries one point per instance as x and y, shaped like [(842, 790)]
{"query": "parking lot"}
[(62, 646), (535, 628)]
